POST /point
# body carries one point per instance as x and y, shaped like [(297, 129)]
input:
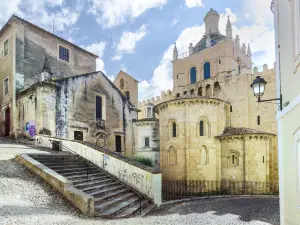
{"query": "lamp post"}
[(258, 86)]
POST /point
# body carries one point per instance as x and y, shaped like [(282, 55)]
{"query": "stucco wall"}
[(7, 70), (76, 110), (33, 45), (288, 81)]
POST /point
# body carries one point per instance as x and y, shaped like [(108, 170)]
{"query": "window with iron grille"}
[(64, 53), (147, 144), (5, 86), (174, 129), (5, 51)]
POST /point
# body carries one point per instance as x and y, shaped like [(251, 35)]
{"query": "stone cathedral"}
[(210, 126)]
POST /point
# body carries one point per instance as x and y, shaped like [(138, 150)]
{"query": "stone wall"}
[(180, 155)]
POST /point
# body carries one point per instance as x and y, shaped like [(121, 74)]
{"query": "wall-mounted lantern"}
[(258, 86)]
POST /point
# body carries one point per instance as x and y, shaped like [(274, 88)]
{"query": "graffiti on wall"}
[(30, 128)]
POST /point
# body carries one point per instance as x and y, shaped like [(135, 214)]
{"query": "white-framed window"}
[(5, 49), (5, 86), (296, 7), (147, 142), (64, 53)]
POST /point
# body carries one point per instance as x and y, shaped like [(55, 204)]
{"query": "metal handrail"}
[(87, 162)]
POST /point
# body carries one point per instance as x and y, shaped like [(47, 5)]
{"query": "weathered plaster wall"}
[(33, 45), (76, 110), (38, 106), (6, 70)]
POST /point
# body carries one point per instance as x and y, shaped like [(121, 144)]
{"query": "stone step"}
[(111, 195), (60, 162), (54, 157), (64, 171), (145, 211), (91, 182), (100, 208), (113, 211), (50, 164), (67, 166), (103, 192), (134, 209), (98, 187), (81, 175), (77, 179)]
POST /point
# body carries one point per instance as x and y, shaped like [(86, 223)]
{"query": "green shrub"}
[(45, 131), (144, 161)]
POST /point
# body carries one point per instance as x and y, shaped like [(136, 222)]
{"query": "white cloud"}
[(116, 57), (110, 13), (36, 12), (256, 33), (128, 42), (97, 48), (54, 3), (194, 3), (175, 21)]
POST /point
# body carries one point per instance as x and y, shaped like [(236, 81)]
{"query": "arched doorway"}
[(7, 122)]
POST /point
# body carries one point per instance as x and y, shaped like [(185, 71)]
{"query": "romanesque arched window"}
[(200, 91), (174, 129), (233, 159), (201, 128), (217, 89), (177, 95), (193, 75), (206, 70), (122, 83), (172, 156), (192, 92), (208, 91)]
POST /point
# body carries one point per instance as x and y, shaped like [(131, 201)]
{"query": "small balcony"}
[(100, 124)]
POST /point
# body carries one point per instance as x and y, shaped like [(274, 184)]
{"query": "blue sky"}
[(137, 36)]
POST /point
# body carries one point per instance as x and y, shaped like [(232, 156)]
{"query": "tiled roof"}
[(233, 131)]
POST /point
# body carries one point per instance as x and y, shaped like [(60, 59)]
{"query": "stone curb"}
[(216, 197)]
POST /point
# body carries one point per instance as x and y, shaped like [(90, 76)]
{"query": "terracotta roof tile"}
[(233, 131)]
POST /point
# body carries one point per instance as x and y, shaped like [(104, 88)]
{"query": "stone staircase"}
[(112, 198)]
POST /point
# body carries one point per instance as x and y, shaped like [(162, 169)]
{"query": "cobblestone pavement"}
[(27, 199)]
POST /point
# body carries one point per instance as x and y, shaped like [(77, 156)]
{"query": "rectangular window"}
[(258, 120), (147, 142), (149, 112), (78, 135), (98, 107), (64, 53), (5, 51), (5, 86), (231, 108)]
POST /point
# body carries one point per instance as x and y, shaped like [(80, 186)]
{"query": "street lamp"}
[(258, 86)]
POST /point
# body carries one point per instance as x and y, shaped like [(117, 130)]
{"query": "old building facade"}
[(25, 48), (50, 87), (210, 125)]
